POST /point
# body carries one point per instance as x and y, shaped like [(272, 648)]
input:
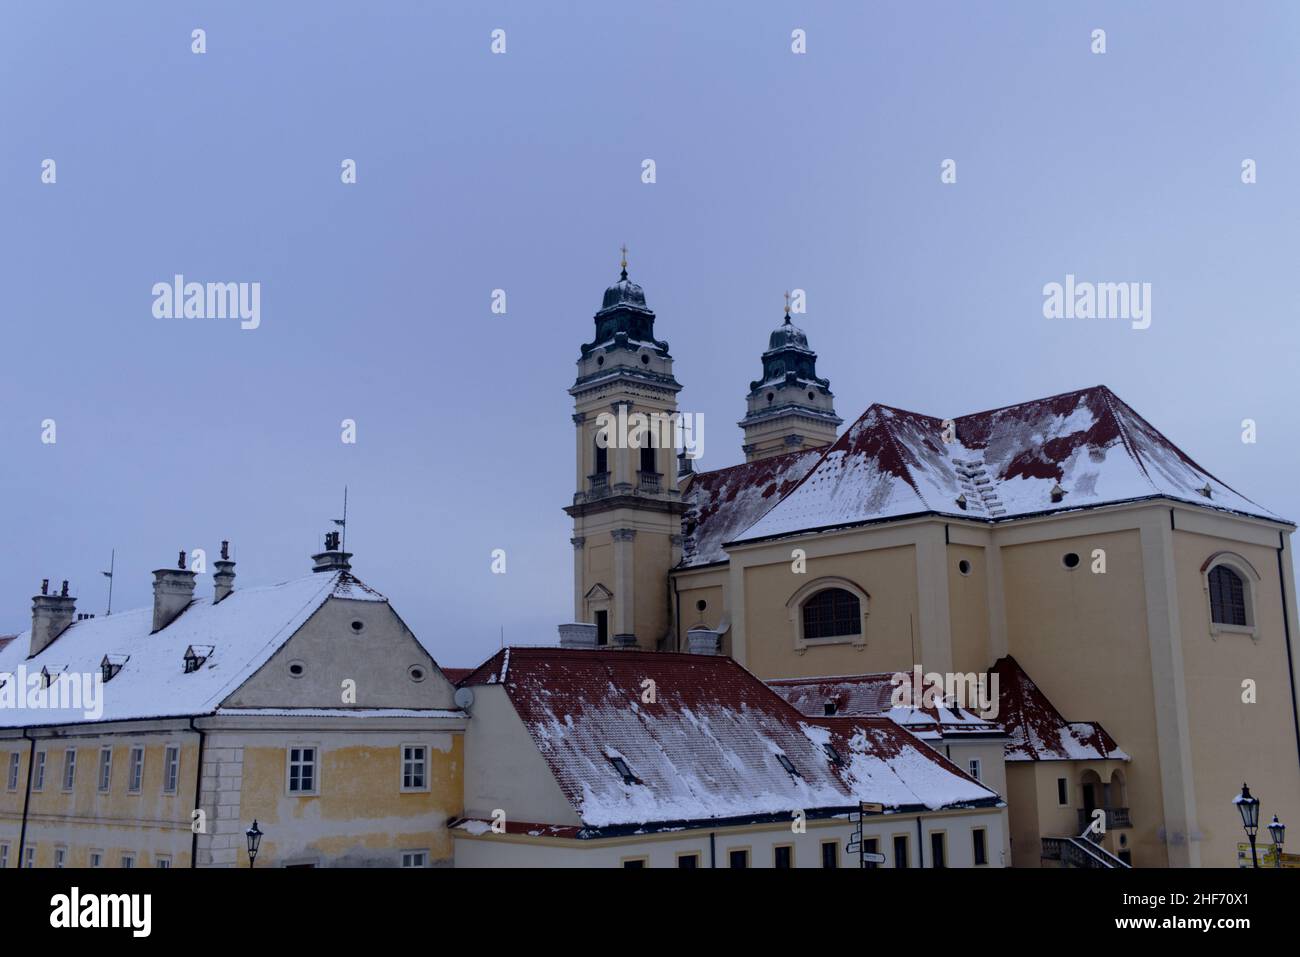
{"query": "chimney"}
[(51, 614), (331, 560), (173, 590), (577, 635), (702, 641), (224, 576)]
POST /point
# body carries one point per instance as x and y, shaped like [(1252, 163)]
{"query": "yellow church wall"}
[(1082, 637), (969, 609), (1234, 741)]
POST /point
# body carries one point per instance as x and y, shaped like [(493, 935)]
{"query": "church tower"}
[(790, 408), (626, 509)]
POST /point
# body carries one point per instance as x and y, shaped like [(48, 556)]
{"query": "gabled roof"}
[(1003, 464), (245, 629), (1038, 732), (873, 694), (707, 748), (725, 502)]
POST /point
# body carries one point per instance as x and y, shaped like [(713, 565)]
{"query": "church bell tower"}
[(626, 509), (789, 408)]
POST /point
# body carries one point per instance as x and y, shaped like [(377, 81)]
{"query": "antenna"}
[(112, 562), (343, 522)]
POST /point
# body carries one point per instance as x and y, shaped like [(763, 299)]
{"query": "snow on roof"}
[(724, 502), (708, 747), (1088, 447), (244, 629), (873, 694), (1037, 730)]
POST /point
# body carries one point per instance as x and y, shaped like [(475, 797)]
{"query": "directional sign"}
[(871, 857)]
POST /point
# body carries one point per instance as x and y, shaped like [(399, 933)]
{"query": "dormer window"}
[(834, 755), (195, 656), (624, 771), (111, 665), (49, 674), (788, 765), (829, 708)]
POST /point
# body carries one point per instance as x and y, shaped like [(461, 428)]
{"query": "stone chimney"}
[(577, 635), (173, 590), (224, 577), (332, 559), (702, 641), (51, 614)]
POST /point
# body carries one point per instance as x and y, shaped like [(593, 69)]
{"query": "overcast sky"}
[(522, 172)]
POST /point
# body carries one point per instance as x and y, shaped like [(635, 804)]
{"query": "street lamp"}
[(1277, 831), (254, 835), (1248, 805)]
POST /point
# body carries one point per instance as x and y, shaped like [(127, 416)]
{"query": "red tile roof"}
[(723, 503), (455, 675), (707, 746), (1001, 464), (1037, 730)]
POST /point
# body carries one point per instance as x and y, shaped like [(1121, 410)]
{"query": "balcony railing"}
[(1116, 817), (649, 481), (598, 484)]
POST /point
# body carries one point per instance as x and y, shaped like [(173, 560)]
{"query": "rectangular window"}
[(602, 628), (783, 857), (415, 858), (163, 862), (739, 858), (635, 863), (871, 846), (975, 769), (981, 846), (14, 760), (171, 769), (60, 857), (96, 858), (900, 851), (415, 764), (69, 768), (830, 853), (4, 856), (29, 857), (302, 770), (135, 777), (128, 860), (1063, 792), (38, 779), (938, 846), (105, 768), (689, 862)]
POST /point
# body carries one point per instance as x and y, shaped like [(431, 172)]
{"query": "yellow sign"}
[(1267, 856)]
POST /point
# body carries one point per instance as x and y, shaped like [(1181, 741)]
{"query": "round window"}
[(1070, 560), (701, 605), (645, 360), (600, 360), (297, 669), (416, 673), (963, 566), (358, 626), (771, 396)]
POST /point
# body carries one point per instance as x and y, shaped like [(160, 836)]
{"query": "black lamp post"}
[(1248, 805), (254, 835), (1277, 831)]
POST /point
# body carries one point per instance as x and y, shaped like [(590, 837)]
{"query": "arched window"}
[(1227, 597), (648, 460), (832, 613), (602, 459)]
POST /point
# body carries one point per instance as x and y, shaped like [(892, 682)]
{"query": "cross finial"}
[(623, 262), (787, 306)]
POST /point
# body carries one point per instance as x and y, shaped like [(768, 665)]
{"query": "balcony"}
[(1116, 817), (598, 485), (649, 481)]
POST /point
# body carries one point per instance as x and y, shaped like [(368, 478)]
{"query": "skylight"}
[(621, 767), (788, 765)]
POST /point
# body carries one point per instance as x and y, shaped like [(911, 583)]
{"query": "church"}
[(1139, 612)]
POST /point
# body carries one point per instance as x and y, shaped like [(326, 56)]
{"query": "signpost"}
[(1267, 857), (865, 857)]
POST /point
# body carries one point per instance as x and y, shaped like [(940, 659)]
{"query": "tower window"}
[(648, 460), (602, 459), (831, 613), (1227, 597), (602, 628)]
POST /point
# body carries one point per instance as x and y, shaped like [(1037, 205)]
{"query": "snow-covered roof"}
[(873, 694), (707, 748), (1075, 450), (723, 503), (1037, 731), (244, 630)]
